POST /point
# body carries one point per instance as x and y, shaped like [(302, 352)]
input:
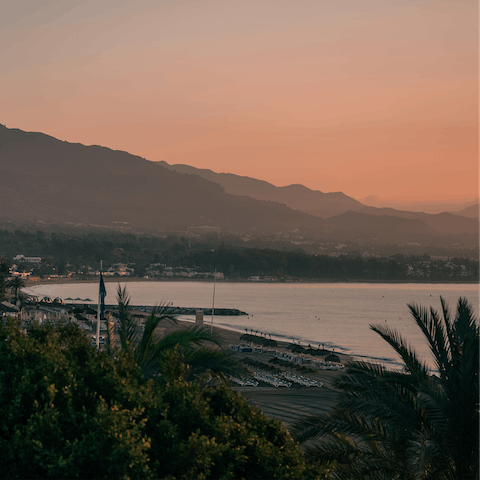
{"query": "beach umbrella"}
[(332, 358), (78, 299), (88, 300)]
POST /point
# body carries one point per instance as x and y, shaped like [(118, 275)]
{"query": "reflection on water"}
[(334, 315)]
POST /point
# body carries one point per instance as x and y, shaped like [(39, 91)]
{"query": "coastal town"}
[(55, 256), (239, 240)]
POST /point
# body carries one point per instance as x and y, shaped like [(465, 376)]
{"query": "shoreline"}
[(95, 279), (199, 294), (288, 405)]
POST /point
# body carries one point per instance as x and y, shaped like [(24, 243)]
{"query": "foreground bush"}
[(69, 411)]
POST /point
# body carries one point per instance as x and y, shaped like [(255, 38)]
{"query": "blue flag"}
[(102, 294)]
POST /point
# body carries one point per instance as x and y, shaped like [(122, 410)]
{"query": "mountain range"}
[(330, 205), (296, 197), (49, 180)]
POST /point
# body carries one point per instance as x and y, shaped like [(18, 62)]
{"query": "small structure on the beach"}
[(332, 358), (241, 348), (266, 342)]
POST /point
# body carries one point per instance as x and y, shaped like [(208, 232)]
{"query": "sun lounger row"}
[(301, 380), (272, 380), (328, 366), (298, 359), (244, 382), (241, 348), (302, 360)]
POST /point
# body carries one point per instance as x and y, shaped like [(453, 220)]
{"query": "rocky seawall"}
[(208, 311)]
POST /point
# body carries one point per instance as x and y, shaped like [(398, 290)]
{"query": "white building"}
[(22, 258)]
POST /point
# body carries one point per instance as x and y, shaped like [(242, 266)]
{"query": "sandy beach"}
[(286, 404)]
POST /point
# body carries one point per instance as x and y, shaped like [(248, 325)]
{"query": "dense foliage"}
[(410, 425), (70, 411), (64, 253)]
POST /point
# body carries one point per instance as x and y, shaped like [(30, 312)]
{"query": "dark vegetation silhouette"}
[(190, 344), (64, 253), (71, 411), (16, 284), (4, 273), (408, 425)]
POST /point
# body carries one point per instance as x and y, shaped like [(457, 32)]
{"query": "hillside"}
[(297, 197), (392, 229), (445, 222), (328, 205), (45, 179), (472, 211)]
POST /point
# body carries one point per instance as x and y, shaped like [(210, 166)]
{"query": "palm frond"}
[(159, 313), (465, 322), (433, 411), (216, 361), (356, 460), (435, 333), (183, 347), (414, 366), (406, 425), (128, 328), (186, 342), (184, 339)]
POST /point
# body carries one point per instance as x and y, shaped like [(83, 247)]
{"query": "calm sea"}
[(334, 315)]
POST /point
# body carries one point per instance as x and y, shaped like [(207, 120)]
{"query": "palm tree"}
[(413, 424), (148, 350), (4, 272), (22, 299), (16, 283)]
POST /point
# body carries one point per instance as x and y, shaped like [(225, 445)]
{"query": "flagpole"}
[(213, 300), (98, 310)]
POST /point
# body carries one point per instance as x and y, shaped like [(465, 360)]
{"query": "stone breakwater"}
[(208, 311), (148, 309)]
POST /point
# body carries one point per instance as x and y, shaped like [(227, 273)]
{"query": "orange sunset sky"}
[(367, 97)]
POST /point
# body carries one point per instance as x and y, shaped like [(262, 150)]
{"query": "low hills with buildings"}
[(43, 179)]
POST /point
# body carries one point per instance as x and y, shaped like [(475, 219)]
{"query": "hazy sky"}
[(368, 97)]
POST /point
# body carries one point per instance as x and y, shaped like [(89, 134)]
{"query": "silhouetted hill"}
[(45, 179), (394, 229), (42, 178), (297, 197), (324, 205), (471, 212), (441, 222)]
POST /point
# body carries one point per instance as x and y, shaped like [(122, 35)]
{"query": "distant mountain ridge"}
[(327, 205), (45, 179), (472, 211), (42, 178), (296, 196)]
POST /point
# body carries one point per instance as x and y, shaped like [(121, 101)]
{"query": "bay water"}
[(331, 315)]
